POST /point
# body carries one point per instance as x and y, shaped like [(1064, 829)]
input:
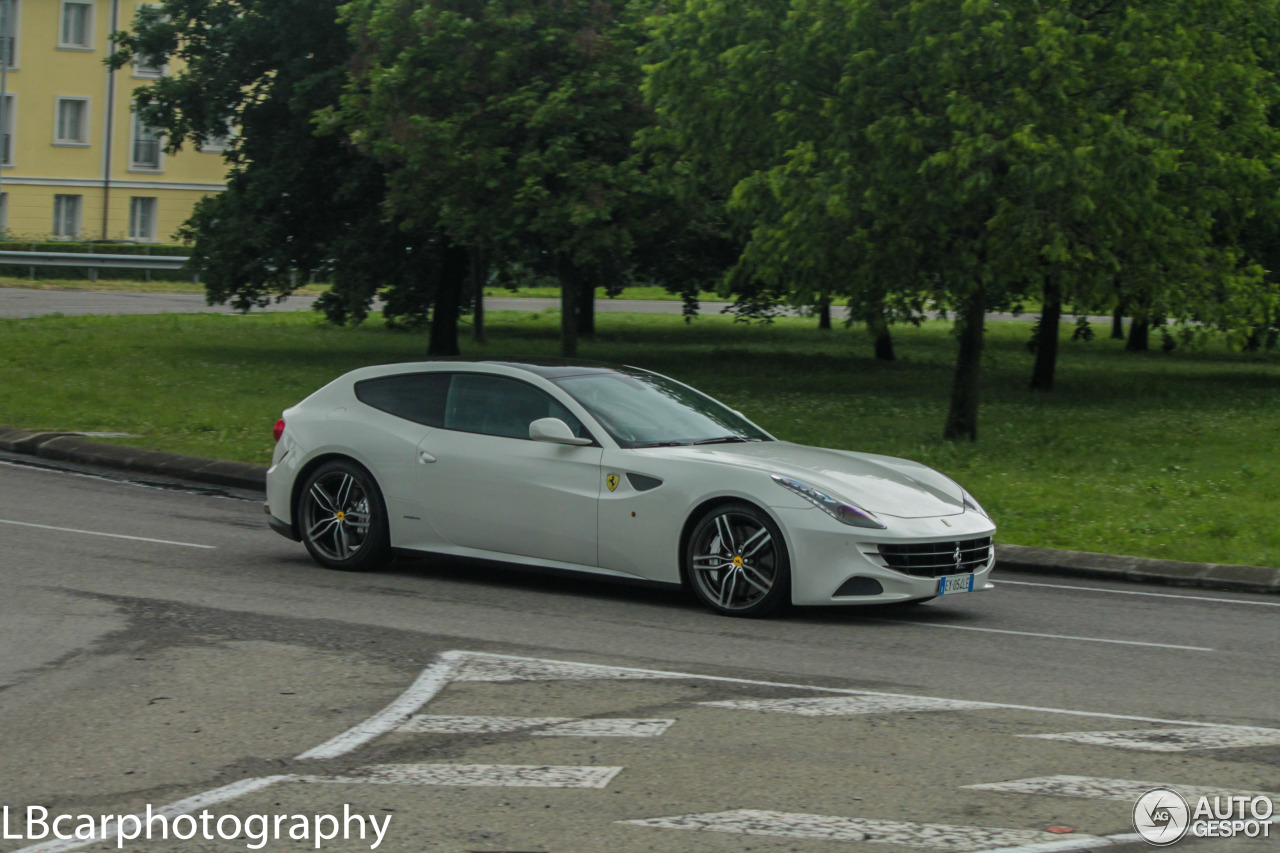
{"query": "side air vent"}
[(642, 483)]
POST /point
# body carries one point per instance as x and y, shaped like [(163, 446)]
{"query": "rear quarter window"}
[(417, 397)]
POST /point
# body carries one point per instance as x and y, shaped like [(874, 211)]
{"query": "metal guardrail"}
[(92, 262)]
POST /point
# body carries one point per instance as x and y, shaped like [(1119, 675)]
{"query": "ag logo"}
[(1161, 816), (611, 480)]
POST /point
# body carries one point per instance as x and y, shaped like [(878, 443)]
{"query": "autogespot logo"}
[(1161, 816)]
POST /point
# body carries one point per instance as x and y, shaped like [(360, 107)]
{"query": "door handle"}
[(424, 456)]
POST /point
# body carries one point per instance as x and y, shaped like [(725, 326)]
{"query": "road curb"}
[(74, 447)]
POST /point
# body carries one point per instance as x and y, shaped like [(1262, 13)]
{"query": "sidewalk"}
[(73, 447)]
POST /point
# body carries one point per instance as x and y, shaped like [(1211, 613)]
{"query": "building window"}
[(66, 216), (7, 117), (73, 122), (218, 144), (76, 31), (9, 32), (4, 212), (146, 66), (146, 145), (142, 219)]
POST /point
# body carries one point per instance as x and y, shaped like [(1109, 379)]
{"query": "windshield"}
[(647, 410)]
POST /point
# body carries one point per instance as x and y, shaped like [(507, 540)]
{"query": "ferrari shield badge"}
[(611, 480)]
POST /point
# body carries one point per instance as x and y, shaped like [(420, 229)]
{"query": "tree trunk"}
[(1117, 322), (1139, 333), (962, 418), (877, 326), (1047, 343), (586, 309), (824, 312), (568, 276), (444, 313), (479, 275)]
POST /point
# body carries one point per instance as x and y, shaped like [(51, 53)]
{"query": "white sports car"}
[(614, 471)]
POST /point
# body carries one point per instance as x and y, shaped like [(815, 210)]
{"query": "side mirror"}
[(554, 431)]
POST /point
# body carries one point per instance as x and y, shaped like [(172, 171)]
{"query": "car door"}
[(486, 485)]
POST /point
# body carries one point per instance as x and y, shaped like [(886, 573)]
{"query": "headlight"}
[(839, 510), (971, 504)]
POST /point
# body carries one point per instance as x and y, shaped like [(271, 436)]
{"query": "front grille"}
[(935, 559)]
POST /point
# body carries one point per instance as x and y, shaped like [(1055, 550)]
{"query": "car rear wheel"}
[(341, 518), (737, 562)]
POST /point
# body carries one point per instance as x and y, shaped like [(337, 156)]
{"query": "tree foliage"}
[(297, 203), (509, 122), (973, 153)]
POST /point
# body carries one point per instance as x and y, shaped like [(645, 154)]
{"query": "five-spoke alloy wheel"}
[(737, 561), (342, 519)]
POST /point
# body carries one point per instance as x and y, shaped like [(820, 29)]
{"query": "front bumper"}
[(827, 555)]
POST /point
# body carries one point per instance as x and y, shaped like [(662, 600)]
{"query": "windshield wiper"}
[(662, 443), (725, 439)]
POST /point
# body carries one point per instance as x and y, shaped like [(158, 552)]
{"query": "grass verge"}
[(1158, 455)]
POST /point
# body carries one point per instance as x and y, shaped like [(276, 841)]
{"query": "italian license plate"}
[(952, 584)]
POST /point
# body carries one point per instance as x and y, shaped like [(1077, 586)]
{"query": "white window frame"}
[(218, 144), (85, 131), (10, 107), (135, 136), (136, 205), (4, 211), (16, 27), (59, 201), (90, 13), (141, 70)]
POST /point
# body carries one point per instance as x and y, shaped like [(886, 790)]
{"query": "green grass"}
[(1159, 455)]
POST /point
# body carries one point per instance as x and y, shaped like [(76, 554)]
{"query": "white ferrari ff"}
[(614, 471)]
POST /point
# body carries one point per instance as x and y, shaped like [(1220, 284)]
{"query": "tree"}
[(509, 123), (298, 203), (970, 154)]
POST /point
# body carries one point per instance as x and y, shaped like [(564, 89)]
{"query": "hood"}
[(884, 485)]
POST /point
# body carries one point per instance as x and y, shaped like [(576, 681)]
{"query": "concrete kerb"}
[(71, 447)]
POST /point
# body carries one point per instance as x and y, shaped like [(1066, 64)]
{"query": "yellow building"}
[(77, 164)]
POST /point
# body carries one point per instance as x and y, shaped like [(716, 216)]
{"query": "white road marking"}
[(181, 807), (484, 668), (1093, 788), (550, 726), (1002, 582), (429, 683), (1173, 740), (109, 535), (724, 679), (477, 776), (846, 705), (1043, 636), (933, 836), (1066, 845)]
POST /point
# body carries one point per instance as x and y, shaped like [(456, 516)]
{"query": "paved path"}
[(19, 302)]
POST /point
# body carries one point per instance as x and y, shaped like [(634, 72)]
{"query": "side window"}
[(417, 397), (496, 405)]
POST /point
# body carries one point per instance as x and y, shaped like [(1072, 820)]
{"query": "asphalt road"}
[(158, 645), (20, 303)]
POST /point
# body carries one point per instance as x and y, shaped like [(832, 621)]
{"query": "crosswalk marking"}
[(847, 705), (931, 836), (1090, 787), (476, 776), (548, 726), (1172, 740), (493, 668)]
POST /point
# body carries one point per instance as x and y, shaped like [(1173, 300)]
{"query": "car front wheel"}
[(737, 562), (342, 519)]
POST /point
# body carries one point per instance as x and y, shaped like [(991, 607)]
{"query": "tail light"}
[(279, 430)]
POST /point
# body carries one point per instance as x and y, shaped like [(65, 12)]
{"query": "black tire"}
[(731, 569), (342, 518)]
